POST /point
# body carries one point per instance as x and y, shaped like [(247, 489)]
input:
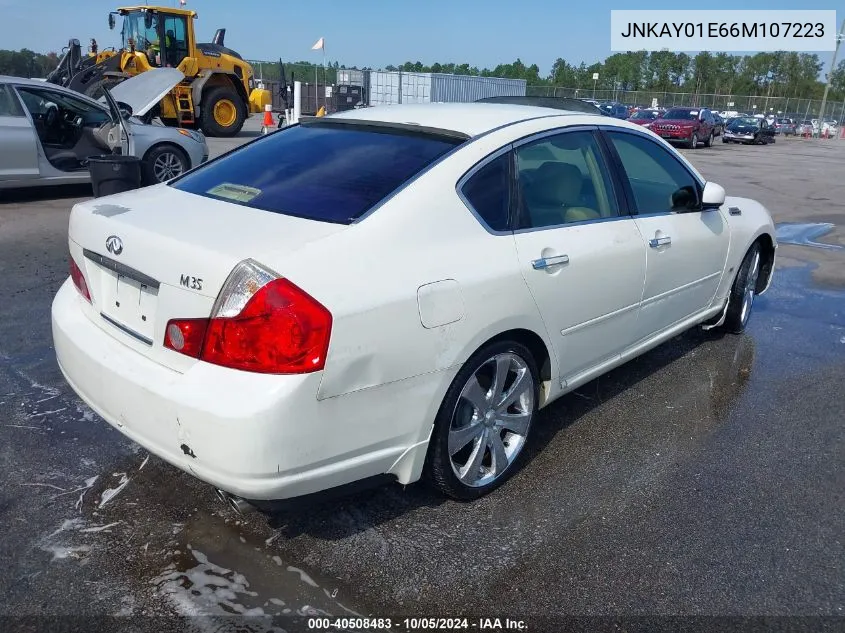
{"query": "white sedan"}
[(393, 291)]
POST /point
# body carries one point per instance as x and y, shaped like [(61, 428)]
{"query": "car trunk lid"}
[(158, 253)]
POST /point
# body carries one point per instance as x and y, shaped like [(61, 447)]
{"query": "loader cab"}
[(163, 36)]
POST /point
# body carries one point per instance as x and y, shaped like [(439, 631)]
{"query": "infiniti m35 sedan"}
[(393, 291)]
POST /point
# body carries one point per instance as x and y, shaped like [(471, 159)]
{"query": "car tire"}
[(741, 298), (724, 140), (163, 162), (693, 141), (222, 112), (709, 141), (469, 443)]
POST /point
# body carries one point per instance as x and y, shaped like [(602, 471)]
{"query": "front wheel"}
[(222, 112), (693, 141), (709, 141), (743, 292), (164, 162), (483, 423)]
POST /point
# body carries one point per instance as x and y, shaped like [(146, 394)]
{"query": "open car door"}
[(119, 138)]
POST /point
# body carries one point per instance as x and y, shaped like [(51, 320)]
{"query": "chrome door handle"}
[(659, 241), (546, 262)]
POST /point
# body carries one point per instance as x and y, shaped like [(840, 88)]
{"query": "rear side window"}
[(331, 173), (9, 104), (488, 191)]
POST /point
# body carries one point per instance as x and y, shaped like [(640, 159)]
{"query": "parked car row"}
[(48, 133)]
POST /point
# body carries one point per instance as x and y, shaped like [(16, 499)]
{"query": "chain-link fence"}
[(752, 104), (795, 107)]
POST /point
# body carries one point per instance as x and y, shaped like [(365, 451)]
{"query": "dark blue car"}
[(616, 110)]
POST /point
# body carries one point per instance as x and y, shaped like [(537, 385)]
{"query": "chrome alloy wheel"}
[(167, 165), (750, 286), (491, 420)]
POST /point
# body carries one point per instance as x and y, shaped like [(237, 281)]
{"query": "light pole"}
[(595, 80), (839, 37)]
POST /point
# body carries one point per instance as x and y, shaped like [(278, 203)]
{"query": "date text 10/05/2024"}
[(416, 624)]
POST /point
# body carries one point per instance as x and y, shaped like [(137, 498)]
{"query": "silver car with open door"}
[(47, 132)]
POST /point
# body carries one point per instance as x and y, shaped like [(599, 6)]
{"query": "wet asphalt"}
[(704, 478)]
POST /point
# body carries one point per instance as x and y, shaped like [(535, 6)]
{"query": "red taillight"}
[(260, 323), (79, 280), (281, 330), (186, 336)]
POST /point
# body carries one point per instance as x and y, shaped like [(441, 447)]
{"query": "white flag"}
[(321, 44)]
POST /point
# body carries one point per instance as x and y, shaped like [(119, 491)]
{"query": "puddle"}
[(218, 570), (806, 234)]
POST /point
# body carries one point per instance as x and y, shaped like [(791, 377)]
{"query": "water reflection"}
[(806, 234)]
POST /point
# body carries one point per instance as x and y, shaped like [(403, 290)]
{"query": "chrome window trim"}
[(554, 132), (567, 225)]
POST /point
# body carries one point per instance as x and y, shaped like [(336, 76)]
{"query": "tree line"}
[(27, 63), (779, 74)]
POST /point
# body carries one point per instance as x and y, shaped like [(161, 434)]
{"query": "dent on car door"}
[(18, 141), (581, 255), (687, 246)]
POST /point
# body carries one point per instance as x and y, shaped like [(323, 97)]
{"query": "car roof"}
[(471, 119), (9, 79), (23, 81)]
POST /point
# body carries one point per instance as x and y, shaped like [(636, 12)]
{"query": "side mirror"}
[(713, 196), (148, 20), (125, 109), (111, 21)]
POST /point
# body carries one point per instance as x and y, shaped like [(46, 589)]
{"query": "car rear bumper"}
[(256, 436), (738, 137)]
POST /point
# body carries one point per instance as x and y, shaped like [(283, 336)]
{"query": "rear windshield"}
[(332, 173)]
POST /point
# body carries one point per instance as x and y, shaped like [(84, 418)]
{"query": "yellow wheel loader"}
[(218, 92)]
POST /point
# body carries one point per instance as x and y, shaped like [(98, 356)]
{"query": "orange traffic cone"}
[(268, 124)]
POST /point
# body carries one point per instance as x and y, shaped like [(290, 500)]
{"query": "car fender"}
[(748, 221), (147, 136)]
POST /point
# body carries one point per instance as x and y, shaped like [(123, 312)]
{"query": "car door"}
[(70, 127), (18, 141), (120, 135), (687, 246), (708, 124), (580, 252)]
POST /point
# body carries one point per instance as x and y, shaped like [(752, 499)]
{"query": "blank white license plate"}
[(130, 305)]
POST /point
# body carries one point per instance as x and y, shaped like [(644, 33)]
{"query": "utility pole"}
[(839, 37)]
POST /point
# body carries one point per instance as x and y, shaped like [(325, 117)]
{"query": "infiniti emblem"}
[(114, 245)]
